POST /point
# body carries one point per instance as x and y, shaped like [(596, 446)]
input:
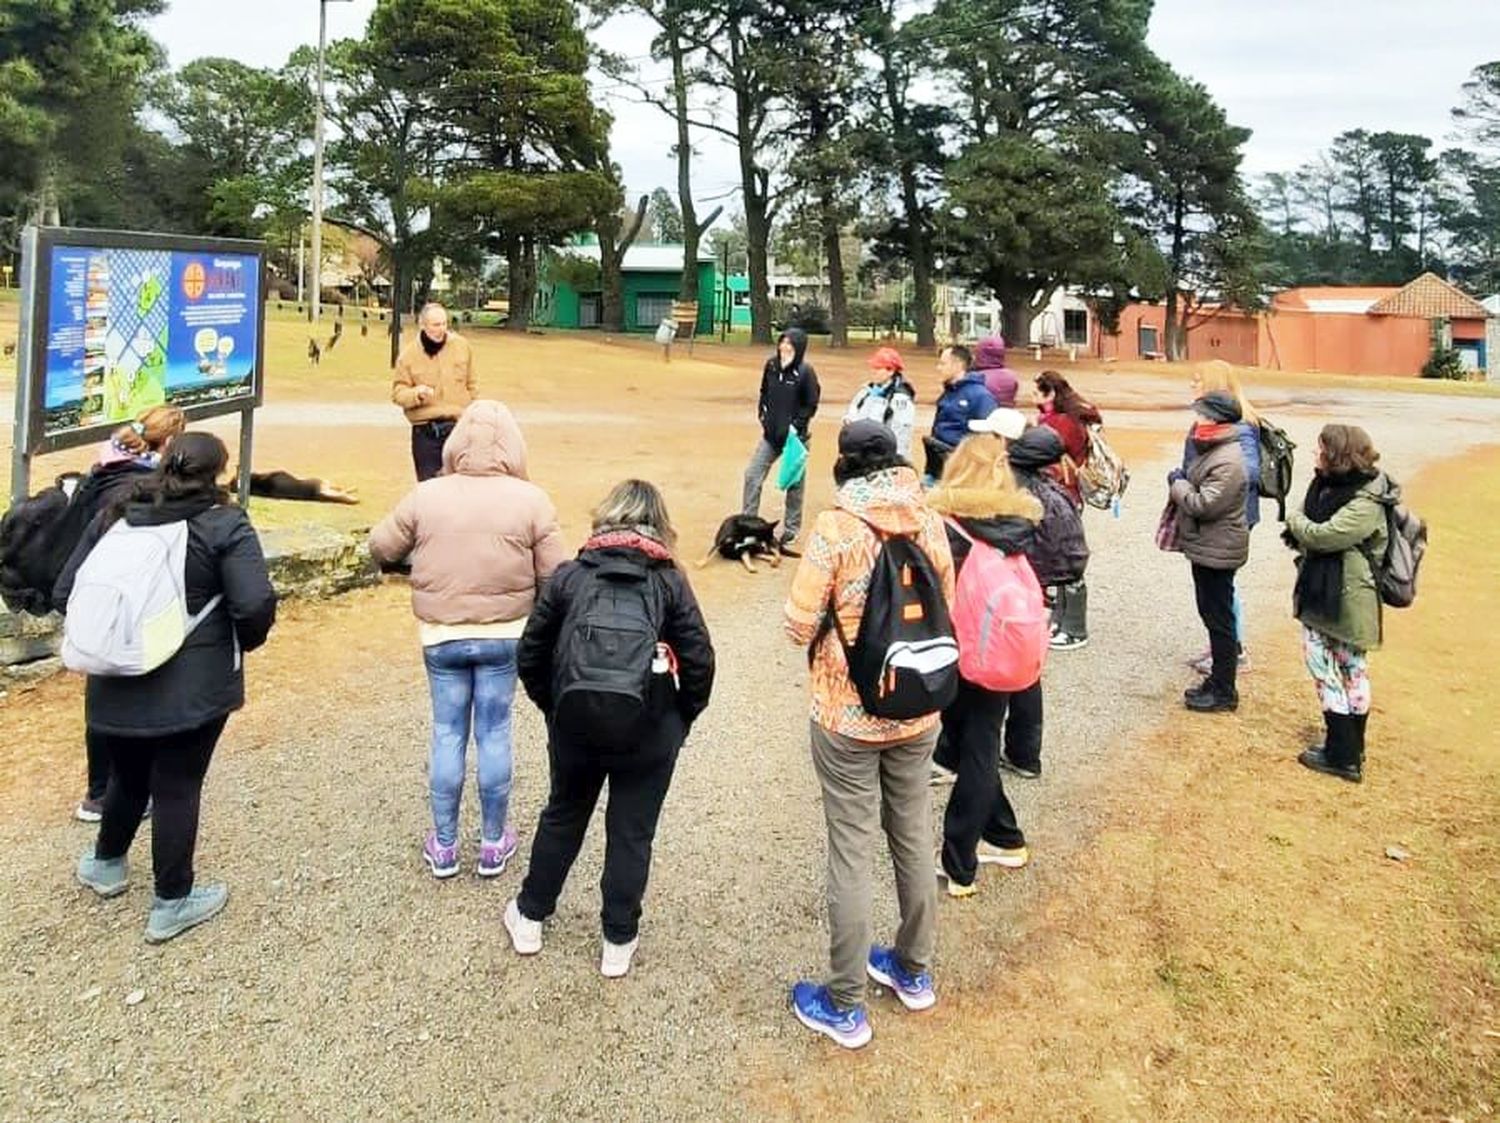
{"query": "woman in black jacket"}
[(981, 502), (159, 730), (617, 657)]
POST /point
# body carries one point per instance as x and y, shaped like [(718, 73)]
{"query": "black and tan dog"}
[(744, 538)]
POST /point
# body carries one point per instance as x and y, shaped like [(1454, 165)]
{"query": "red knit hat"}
[(887, 358)]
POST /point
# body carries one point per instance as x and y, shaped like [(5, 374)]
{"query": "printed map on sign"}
[(129, 329)]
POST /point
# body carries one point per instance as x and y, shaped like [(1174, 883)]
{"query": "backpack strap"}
[(830, 621)]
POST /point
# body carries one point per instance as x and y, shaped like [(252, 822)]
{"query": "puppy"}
[(743, 538)]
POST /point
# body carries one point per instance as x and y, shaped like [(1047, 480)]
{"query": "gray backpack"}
[(127, 614), (1405, 546)]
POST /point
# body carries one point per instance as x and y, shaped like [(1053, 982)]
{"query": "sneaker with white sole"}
[(493, 856), (172, 918), (109, 877), (941, 776), (815, 1008), (956, 890), (1024, 771), (912, 988), (89, 810), (614, 963), (525, 935), (1062, 641), (441, 860), (1012, 858)]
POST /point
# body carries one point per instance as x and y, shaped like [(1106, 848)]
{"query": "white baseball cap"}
[(1007, 423)]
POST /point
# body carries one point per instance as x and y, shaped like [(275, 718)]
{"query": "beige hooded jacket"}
[(481, 538)]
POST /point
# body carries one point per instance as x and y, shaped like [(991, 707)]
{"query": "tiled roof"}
[(1431, 298)]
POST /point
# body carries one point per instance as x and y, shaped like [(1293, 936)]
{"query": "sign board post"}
[(115, 323)]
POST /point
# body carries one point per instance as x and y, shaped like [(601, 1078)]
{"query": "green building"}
[(650, 274), (736, 294)]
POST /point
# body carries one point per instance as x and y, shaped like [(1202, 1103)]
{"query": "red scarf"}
[(1211, 432), (628, 540)]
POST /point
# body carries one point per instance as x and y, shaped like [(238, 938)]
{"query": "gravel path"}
[(343, 982)]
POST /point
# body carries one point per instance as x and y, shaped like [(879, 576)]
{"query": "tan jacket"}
[(450, 373), (481, 538)]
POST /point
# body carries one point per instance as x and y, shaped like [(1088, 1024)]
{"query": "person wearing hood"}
[(1002, 382), (873, 771), (1340, 528), (481, 540), (1209, 497), (631, 545), (982, 502), (434, 382), (1060, 554), (159, 730), (789, 395), (964, 399)]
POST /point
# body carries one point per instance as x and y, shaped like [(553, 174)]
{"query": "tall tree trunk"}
[(918, 251), (613, 244), (838, 298), (398, 283), (1015, 316), (1176, 316), (692, 233), (756, 187), (520, 255)]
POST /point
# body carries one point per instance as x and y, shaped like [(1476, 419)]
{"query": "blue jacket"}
[(964, 401), (1250, 447)]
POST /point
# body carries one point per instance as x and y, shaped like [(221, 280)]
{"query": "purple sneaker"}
[(494, 855), (442, 860)]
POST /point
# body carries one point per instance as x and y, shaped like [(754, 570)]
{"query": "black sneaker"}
[(1206, 700)]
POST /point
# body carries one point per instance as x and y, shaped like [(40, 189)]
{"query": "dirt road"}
[(343, 982)]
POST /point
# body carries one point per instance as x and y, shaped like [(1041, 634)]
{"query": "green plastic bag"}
[(793, 462)]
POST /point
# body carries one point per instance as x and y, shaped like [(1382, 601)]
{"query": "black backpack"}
[(1276, 466), (602, 674), (904, 660), (32, 547)]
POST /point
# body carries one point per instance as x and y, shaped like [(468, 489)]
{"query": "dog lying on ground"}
[(744, 538), (284, 485)]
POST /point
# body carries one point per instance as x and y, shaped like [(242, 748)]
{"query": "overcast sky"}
[(1296, 72)]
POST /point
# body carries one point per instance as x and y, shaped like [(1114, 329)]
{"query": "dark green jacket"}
[(1358, 530)]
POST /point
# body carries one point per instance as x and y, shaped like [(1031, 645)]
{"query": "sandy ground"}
[(343, 982)]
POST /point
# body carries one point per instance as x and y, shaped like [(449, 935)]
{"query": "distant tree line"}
[(1015, 146)]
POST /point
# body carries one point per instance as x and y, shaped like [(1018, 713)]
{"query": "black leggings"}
[(978, 807), (1214, 591), (168, 770)]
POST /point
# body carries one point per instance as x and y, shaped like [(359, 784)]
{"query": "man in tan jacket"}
[(433, 383)]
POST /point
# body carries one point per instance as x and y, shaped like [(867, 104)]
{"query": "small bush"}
[(1445, 363)]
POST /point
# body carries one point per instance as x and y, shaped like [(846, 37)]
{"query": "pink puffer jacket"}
[(481, 537)]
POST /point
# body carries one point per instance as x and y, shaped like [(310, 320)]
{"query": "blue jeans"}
[(473, 682)]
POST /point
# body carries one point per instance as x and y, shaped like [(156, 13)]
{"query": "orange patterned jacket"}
[(836, 567)]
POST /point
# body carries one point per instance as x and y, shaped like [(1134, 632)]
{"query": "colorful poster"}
[(128, 329)]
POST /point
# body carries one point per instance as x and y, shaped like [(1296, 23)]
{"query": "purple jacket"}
[(999, 379)]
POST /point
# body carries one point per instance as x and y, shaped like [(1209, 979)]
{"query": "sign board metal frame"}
[(30, 438)]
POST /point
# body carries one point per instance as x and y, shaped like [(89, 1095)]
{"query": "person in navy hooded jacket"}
[(789, 396)]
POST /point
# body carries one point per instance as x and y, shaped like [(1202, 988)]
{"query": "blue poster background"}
[(128, 329)]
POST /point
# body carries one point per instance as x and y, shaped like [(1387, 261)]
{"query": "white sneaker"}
[(941, 775), (615, 962), (525, 935), (991, 855)]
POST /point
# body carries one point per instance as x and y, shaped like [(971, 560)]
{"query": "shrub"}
[(1445, 363)]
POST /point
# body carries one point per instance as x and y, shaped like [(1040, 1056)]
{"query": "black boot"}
[(1336, 757), (1357, 723)]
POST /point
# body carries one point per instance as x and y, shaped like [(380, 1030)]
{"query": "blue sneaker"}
[(815, 1009), (914, 991)]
